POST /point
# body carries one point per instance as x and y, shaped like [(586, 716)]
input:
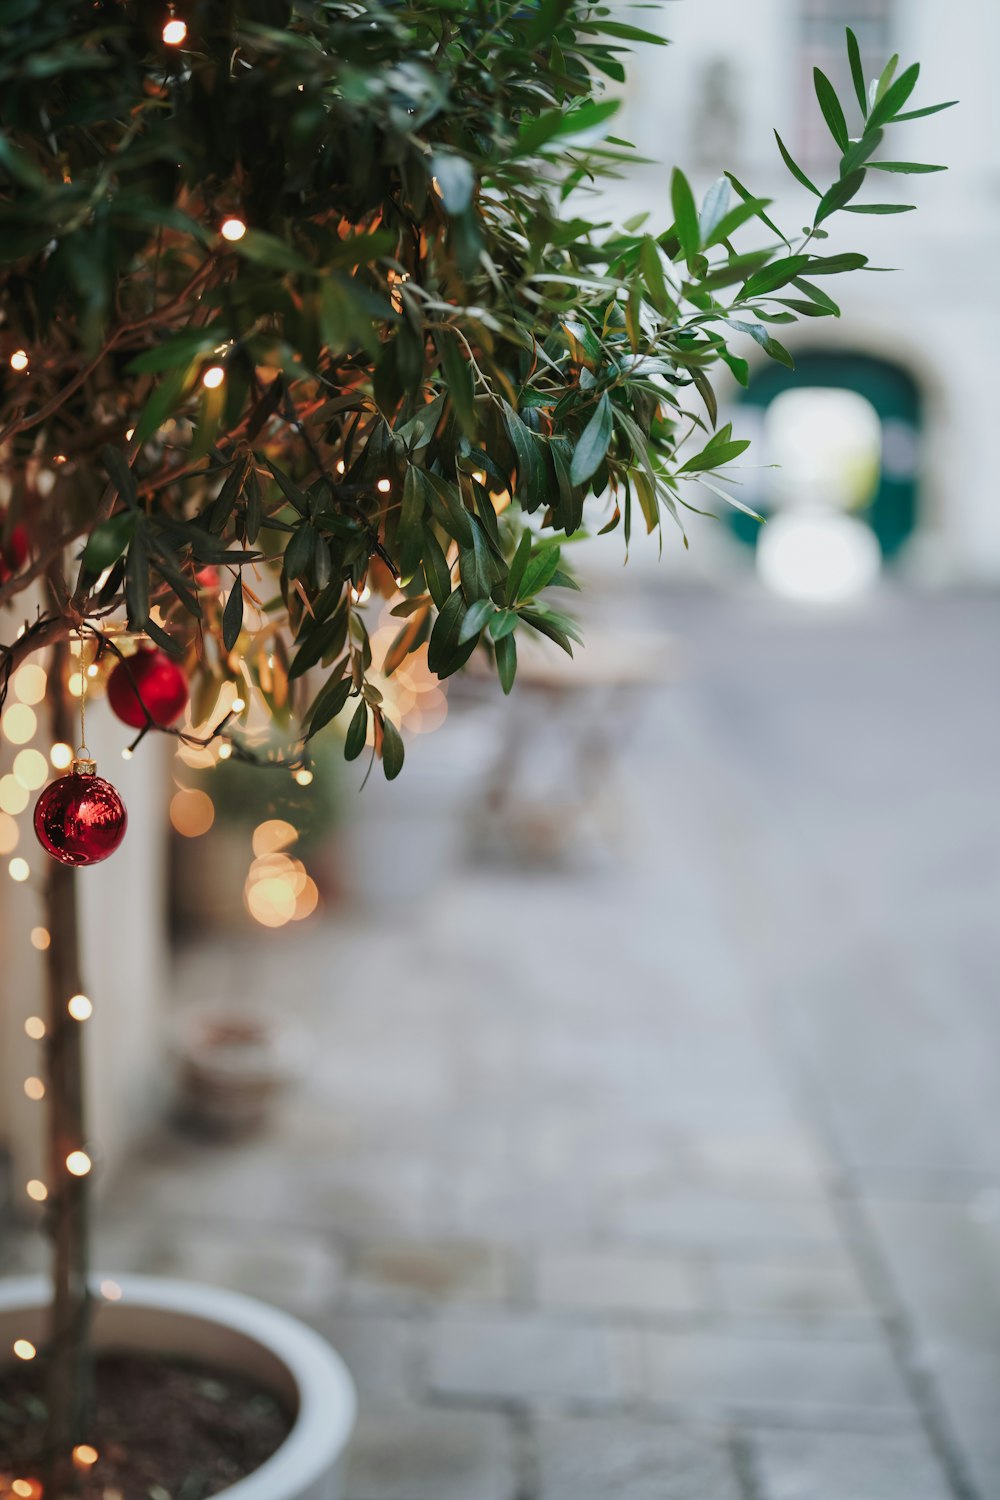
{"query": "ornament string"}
[(83, 753)]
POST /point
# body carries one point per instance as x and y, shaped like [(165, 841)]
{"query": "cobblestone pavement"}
[(674, 1175)]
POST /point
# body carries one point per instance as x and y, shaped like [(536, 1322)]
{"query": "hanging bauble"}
[(151, 678), (80, 819), (14, 552)]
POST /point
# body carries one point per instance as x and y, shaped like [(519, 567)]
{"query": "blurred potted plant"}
[(292, 293)]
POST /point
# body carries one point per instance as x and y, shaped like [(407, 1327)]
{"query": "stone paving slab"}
[(847, 1466), (760, 1377), (425, 1454), (806, 1289), (528, 1359), (619, 1281), (623, 1459)]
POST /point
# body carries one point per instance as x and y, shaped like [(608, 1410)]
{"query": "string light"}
[(40, 938), (36, 1190), (34, 1088), (479, 475), (85, 1456), (78, 1163), (126, 753), (61, 755), (24, 1489), (225, 750), (129, 434), (24, 1349), (238, 705), (13, 796), (34, 1027), (29, 683), (19, 359), (20, 723), (341, 466), (213, 377), (384, 486), (19, 870), (304, 777), (192, 812), (174, 32), (80, 1008), (111, 1291), (233, 229), (273, 835), (31, 769)]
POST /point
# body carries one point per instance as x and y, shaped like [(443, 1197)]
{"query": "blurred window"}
[(823, 45)]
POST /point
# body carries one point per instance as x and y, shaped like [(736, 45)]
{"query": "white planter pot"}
[(231, 1332)]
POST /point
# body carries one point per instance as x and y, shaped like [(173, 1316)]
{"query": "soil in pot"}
[(162, 1429)]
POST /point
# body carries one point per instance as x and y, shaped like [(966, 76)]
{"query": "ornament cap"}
[(83, 764)]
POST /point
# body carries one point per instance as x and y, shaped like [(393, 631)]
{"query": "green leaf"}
[(833, 114), (502, 623), (475, 566), (795, 169), (929, 109), (392, 749), (357, 732), (778, 273), (758, 211), (842, 192), (476, 617), (328, 703), (894, 98), (267, 250), (539, 572), (137, 581), (299, 552), (506, 654), (716, 454), (908, 167), (458, 378), (857, 70), (713, 209), (593, 443), (685, 215), (232, 615), (108, 541), (323, 638), (437, 574), (456, 181), (519, 563)]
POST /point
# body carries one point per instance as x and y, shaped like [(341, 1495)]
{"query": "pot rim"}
[(327, 1401)]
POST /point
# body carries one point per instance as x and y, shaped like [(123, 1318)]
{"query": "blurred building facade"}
[(918, 345)]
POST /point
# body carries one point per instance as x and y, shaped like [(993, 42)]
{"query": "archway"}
[(886, 498)]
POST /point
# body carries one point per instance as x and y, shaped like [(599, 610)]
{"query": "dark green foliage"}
[(420, 317)]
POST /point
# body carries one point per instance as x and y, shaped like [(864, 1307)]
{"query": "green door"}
[(892, 512)]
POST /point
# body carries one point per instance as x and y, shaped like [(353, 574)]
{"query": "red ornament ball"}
[(80, 819), (14, 554), (151, 678)]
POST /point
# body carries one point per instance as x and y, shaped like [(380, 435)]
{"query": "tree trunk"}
[(68, 1367)]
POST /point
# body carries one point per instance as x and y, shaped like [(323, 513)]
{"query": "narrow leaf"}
[(232, 615)]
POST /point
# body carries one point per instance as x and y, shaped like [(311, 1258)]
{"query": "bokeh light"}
[(192, 812), (31, 769), (29, 683), (19, 723)]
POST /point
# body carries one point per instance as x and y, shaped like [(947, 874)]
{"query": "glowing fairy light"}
[(238, 705), (34, 1027), (225, 750), (111, 1291), (362, 595), (19, 870), (24, 1349), (29, 683), (304, 777), (31, 769), (40, 938), (78, 1163), (213, 377), (61, 755), (174, 32), (19, 360), (384, 486), (13, 796), (192, 812), (80, 1008), (19, 723), (85, 1456), (34, 1088), (36, 1190), (126, 753), (233, 229)]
